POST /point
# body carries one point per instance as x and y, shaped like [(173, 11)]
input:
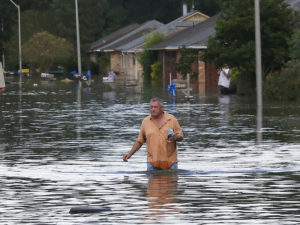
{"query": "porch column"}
[(135, 66), (201, 78)]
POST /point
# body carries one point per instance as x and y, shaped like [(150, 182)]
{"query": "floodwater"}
[(61, 146)]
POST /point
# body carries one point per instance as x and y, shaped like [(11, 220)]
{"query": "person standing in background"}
[(224, 80)]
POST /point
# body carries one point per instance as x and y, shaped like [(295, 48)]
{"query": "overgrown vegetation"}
[(185, 62), (156, 71), (97, 18), (44, 49), (285, 84), (147, 57), (234, 42)]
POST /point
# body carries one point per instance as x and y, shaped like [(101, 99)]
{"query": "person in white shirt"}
[(224, 80)]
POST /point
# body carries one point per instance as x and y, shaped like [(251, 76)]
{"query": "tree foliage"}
[(97, 18), (285, 85), (234, 42), (147, 57), (294, 46), (44, 49), (184, 64)]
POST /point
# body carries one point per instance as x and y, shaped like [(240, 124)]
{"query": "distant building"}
[(195, 37), (192, 31), (295, 4), (124, 50), (124, 64)]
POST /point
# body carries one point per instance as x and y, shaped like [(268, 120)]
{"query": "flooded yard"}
[(61, 146)]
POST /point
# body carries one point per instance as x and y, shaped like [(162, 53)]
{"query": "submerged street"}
[(61, 146)]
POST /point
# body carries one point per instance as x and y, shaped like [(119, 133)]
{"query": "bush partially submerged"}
[(284, 85)]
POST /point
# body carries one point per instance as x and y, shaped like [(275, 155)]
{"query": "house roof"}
[(134, 34), (169, 29), (113, 36), (193, 37), (295, 4)]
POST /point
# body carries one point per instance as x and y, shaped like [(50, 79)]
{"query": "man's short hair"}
[(156, 99)]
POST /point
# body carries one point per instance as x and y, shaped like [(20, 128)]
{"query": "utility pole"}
[(259, 113), (258, 54), (3, 58), (78, 40), (20, 46)]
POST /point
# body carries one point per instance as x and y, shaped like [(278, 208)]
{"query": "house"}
[(126, 67), (195, 38), (131, 49), (95, 46), (294, 4), (123, 51)]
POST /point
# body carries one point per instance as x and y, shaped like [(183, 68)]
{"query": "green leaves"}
[(187, 58), (43, 49), (147, 57), (234, 42)]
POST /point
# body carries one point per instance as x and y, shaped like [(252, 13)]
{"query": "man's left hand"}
[(175, 137)]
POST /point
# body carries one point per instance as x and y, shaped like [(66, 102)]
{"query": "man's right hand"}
[(135, 147), (126, 157)]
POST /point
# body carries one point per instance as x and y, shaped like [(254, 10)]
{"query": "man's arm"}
[(136, 146), (228, 75)]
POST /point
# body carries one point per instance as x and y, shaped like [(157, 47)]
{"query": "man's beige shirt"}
[(161, 152)]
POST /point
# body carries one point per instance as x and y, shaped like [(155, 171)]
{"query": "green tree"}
[(147, 57), (97, 18), (8, 17), (187, 58), (32, 22), (294, 46), (94, 20), (285, 84), (44, 49), (234, 42)]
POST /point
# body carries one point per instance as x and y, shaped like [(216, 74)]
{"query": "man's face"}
[(155, 109)]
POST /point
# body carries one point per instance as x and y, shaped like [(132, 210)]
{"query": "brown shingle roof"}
[(113, 36), (193, 37)]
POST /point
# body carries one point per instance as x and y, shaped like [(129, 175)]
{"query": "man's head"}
[(156, 107)]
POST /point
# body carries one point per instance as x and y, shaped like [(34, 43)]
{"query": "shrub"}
[(156, 69), (44, 50), (185, 62), (284, 85), (147, 57)]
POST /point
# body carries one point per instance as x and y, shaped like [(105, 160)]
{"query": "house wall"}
[(139, 70), (201, 77), (131, 71), (115, 62), (168, 58), (93, 57), (207, 80), (128, 69), (211, 78)]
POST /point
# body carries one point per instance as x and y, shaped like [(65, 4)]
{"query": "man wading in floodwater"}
[(161, 131)]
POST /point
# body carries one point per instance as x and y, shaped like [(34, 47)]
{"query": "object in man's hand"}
[(170, 133)]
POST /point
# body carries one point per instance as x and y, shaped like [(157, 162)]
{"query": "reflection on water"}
[(259, 124), (79, 116), (61, 146), (161, 192)]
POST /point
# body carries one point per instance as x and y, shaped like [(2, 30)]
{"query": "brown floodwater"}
[(61, 146)]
